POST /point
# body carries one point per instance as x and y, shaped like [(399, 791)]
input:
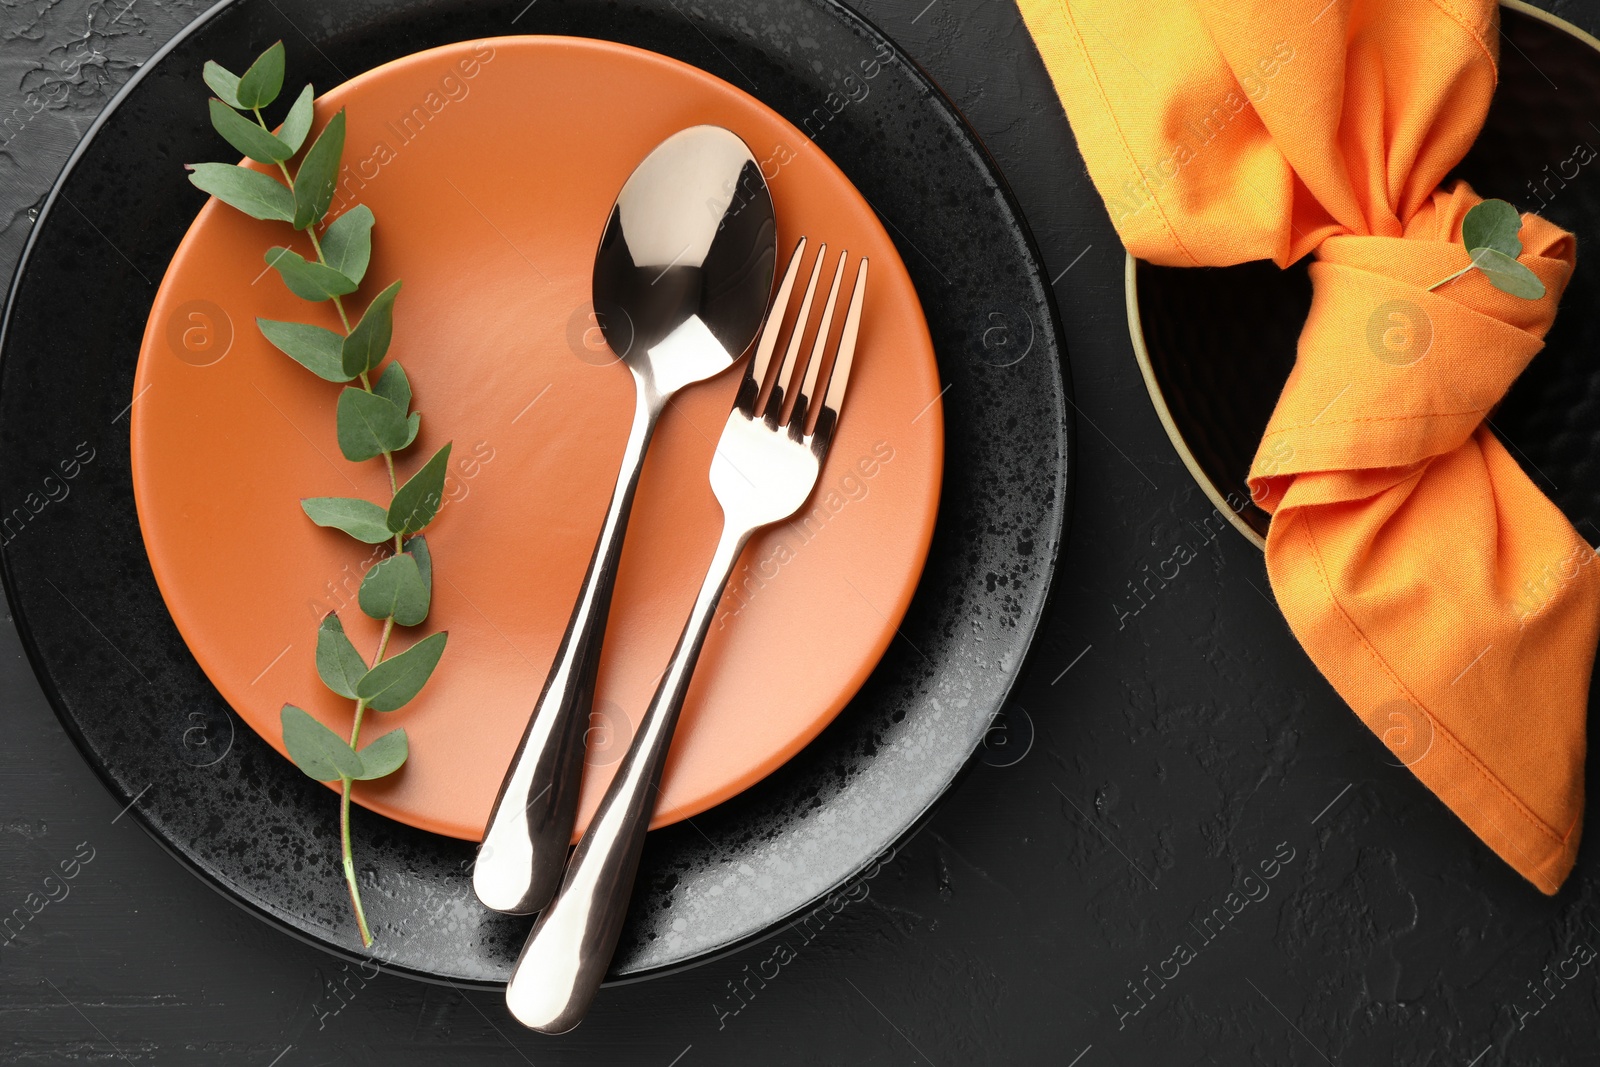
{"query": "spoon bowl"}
[(690, 246)]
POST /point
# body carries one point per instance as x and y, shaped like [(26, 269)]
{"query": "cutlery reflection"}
[(763, 470), (681, 282)]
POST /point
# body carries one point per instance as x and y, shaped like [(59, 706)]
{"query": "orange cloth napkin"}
[(1444, 597)]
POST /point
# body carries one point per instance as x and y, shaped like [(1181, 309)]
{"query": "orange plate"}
[(491, 167)]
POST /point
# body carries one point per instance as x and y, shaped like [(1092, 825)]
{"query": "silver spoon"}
[(682, 278)]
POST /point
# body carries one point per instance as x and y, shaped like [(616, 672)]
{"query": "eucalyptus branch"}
[(374, 418)]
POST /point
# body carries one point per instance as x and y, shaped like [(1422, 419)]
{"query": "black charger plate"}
[(220, 799), (1217, 344)]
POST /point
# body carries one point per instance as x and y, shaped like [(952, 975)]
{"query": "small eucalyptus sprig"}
[(1490, 234), (373, 419)]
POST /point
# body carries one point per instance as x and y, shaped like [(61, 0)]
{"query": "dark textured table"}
[(1177, 847)]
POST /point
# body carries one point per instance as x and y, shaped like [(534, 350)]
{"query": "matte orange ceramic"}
[(491, 167)]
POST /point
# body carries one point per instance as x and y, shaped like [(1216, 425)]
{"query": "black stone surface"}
[(1157, 752)]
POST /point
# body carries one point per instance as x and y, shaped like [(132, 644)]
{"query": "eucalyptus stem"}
[(1452, 277), (350, 867), (361, 705), (374, 418), (338, 302), (344, 803)]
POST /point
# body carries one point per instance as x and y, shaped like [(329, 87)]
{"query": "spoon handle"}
[(524, 848), (567, 955)]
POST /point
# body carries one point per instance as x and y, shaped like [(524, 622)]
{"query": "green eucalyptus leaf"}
[(260, 85), (392, 683), (1507, 275), (339, 665), (369, 425), (314, 182), (314, 348), (385, 755), (419, 499), (394, 588), (308, 280), (248, 137), (297, 123), (317, 750), (1492, 224), (223, 82), (413, 427), (250, 191), (368, 343), (361, 519), (394, 386), (347, 246), (418, 547)]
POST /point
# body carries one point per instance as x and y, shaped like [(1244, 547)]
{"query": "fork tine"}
[(808, 389), (839, 376), (761, 361), (774, 408)]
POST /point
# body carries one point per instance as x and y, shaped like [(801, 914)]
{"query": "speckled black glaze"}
[(1222, 341), (132, 696)]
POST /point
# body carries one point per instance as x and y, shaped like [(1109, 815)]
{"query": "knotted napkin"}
[(1445, 598)]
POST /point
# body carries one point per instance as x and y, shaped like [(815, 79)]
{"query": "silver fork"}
[(764, 469)]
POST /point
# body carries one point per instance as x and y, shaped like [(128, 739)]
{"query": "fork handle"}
[(570, 949), (530, 827)]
